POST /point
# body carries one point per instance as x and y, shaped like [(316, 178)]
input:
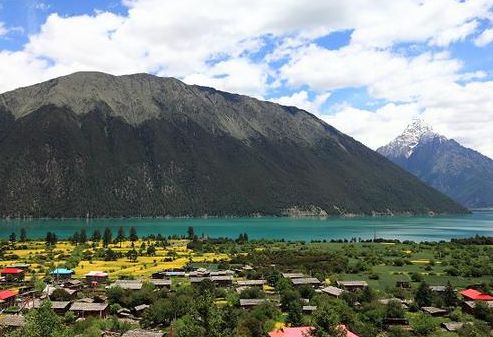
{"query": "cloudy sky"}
[(365, 66)]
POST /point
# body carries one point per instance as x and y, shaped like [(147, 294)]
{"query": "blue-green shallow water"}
[(398, 227)]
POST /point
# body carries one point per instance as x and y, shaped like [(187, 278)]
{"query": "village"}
[(156, 286)]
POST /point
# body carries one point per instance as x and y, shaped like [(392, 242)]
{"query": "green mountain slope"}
[(92, 143)]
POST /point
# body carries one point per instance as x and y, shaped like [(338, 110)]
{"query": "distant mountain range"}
[(101, 145), (463, 174)]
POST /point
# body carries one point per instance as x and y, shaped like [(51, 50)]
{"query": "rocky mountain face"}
[(463, 174), (101, 145)]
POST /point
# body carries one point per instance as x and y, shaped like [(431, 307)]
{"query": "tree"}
[(327, 321), (151, 250), (423, 324), (449, 296), (295, 313), (190, 233), (423, 296), (107, 236), (133, 234), (75, 238), (83, 236), (60, 294), (12, 237), (51, 239), (23, 236), (132, 255), (120, 237), (42, 322), (394, 309), (96, 236)]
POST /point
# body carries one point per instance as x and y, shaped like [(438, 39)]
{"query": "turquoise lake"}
[(421, 228)]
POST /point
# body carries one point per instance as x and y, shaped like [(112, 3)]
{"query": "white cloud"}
[(183, 38), (484, 38), (386, 75), (461, 112), (234, 75), (373, 128), (302, 100), (3, 30)]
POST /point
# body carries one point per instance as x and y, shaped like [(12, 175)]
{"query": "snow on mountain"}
[(417, 132)]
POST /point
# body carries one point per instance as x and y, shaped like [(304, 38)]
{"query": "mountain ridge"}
[(93, 143), (463, 174)]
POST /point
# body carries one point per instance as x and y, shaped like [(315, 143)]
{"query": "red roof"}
[(6, 294), (303, 332), (11, 271), (475, 295), (292, 332)]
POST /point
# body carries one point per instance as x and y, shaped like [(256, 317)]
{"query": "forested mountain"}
[(103, 145)]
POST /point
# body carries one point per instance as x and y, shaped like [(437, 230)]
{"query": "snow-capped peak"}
[(415, 133)]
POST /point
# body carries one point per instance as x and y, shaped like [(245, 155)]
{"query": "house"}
[(7, 298), (293, 275), (142, 333), (139, 309), (83, 309), (169, 273), (305, 281), (222, 280), (73, 284), (475, 295), (12, 274), (309, 308), (161, 283), (333, 291), (469, 306), (306, 331), (438, 289), (128, 284), (11, 322), (433, 311), (352, 285), (59, 307), (62, 273), (452, 326), (252, 302), (48, 291), (23, 266), (386, 301), (96, 276), (251, 283)]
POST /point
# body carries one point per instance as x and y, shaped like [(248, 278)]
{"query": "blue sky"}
[(365, 66)]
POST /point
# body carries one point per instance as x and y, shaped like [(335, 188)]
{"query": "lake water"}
[(398, 227)]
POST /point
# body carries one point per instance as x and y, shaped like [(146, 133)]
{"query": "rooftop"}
[(12, 320), (142, 333), (334, 291), (476, 295), (83, 306), (128, 284)]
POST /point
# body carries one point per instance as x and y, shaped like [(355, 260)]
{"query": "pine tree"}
[(96, 236), (83, 236), (449, 296), (12, 237), (133, 234), (107, 236), (23, 236), (190, 233), (423, 295), (120, 237)]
